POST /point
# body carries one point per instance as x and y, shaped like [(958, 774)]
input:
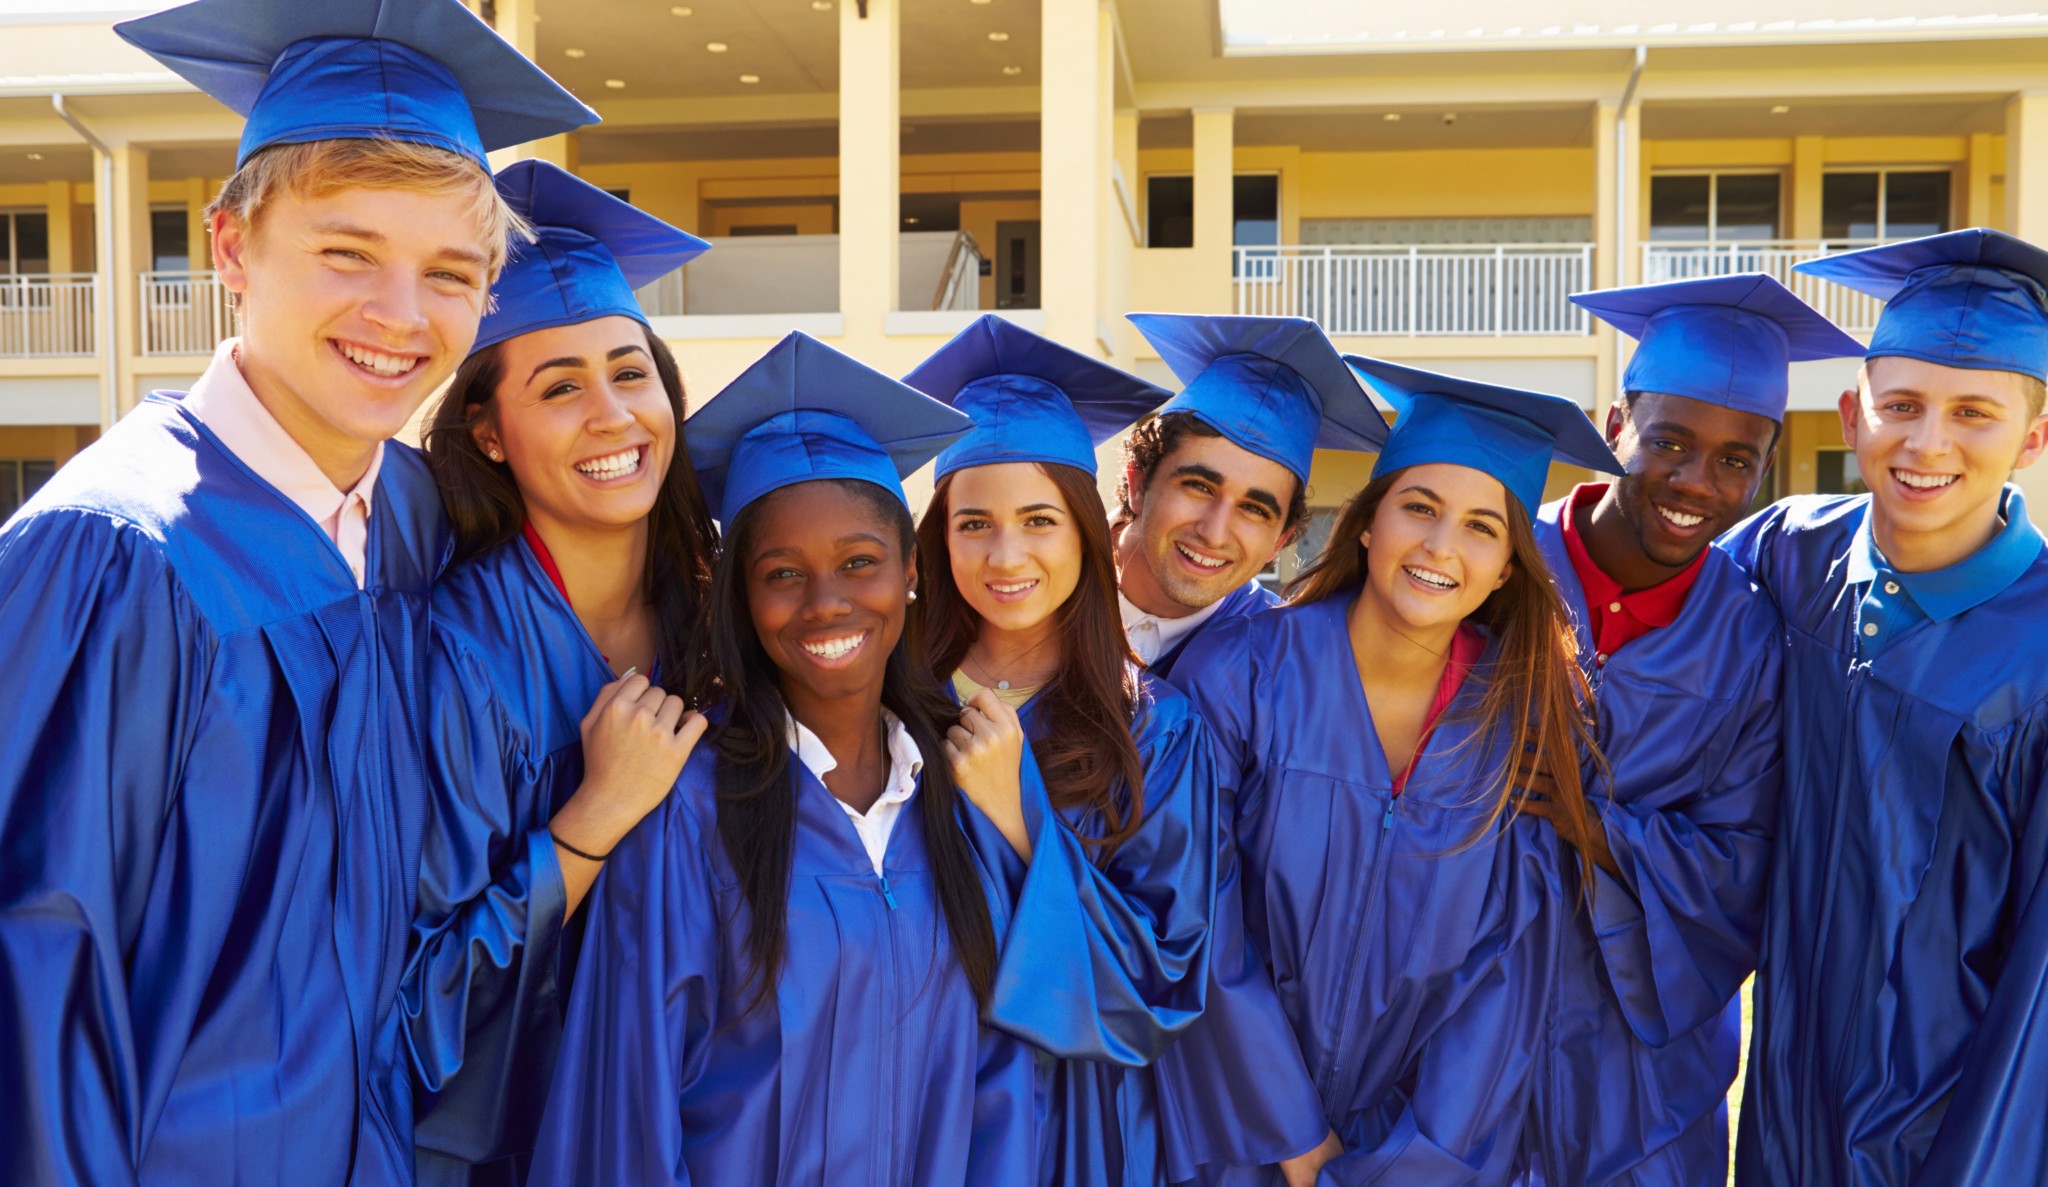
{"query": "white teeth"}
[(835, 648), (1924, 481), (1203, 561), (1019, 587), (1428, 578), (377, 363), (1681, 519), (614, 466)]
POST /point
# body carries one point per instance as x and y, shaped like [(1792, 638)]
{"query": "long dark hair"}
[(1536, 694), (487, 511), (757, 790), (1084, 745)]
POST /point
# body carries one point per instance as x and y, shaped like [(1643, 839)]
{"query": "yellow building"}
[(1427, 179)]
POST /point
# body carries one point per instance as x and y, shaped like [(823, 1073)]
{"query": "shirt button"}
[(1600, 659), (1869, 628), (1891, 587), (1614, 607)]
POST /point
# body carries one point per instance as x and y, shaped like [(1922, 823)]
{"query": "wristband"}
[(557, 838)]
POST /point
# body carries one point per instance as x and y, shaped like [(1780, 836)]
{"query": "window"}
[(1713, 207), (25, 239), (1835, 473), (1170, 210), (169, 241), (1885, 204), (19, 480)]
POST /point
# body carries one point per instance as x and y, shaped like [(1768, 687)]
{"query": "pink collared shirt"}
[(224, 403)]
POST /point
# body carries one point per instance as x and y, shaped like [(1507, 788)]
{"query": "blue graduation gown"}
[(211, 783), (870, 1068), (1104, 964), (1646, 1027), (514, 673), (1249, 598), (1904, 972), (1412, 960)]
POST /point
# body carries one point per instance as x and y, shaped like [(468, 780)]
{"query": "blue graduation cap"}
[(1272, 385), (590, 252), (426, 71), (1503, 431), (1976, 299), (1727, 340), (1032, 399), (804, 412)]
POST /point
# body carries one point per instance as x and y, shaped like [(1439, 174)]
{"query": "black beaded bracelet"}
[(573, 849)]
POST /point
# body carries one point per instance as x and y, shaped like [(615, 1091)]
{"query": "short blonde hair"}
[(320, 167)]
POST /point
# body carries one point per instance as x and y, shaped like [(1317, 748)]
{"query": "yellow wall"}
[(810, 218), (36, 442), (1479, 183)]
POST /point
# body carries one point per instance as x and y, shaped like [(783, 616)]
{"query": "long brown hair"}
[(1536, 696), (757, 788), (1084, 748), (487, 511)]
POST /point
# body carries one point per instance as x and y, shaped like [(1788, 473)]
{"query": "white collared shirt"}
[(1152, 636), (224, 402), (878, 822)]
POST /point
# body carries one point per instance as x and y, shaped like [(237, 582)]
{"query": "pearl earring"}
[(913, 595), (496, 456)]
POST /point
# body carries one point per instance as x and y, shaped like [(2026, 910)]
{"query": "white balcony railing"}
[(800, 274), (48, 316), (1481, 290), (184, 313), (1847, 308)]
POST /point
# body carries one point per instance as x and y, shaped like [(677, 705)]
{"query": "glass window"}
[(1255, 201), (1915, 204), (1680, 207), (1884, 204), (168, 241), (1169, 212), (19, 480), (1848, 206), (31, 243), (1835, 473), (1746, 206)]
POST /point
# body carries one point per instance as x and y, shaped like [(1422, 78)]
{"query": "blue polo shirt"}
[(1894, 603)]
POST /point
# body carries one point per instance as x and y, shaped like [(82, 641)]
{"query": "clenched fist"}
[(986, 750)]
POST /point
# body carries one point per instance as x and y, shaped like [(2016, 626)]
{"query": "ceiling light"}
[(575, 53), (681, 10), (750, 78), (1780, 109), (911, 221), (617, 84), (717, 47), (1392, 117), (999, 37), (980, 1), (1013, 70), (35, 156), (821, 5)]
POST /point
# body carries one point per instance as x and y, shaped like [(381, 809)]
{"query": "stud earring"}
[(913, 595), (496, 456)]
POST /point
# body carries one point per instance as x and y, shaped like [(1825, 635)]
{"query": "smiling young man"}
[(210, 767), (1683, 657), (1217, 484), (1904, 966)]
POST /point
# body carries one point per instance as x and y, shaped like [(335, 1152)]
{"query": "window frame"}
[(1713, 177), (1884, 173)]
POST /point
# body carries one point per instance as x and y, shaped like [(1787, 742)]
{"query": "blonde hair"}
[(320, 167)]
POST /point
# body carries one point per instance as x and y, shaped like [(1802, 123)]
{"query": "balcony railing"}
[(184, 313), (1479, 290), (800, 274), (48, 316), (1847, 308)]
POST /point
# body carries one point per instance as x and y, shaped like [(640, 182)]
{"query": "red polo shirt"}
[(1617, 617)]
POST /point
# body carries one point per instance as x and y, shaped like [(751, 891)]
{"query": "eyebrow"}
[(1437, 498), (1676, 429), (352, 231), (1262, 497), (572, 361), (841, 542), (1021, 510)]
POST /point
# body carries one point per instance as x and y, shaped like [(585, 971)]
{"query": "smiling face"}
[(581, 417), (1212, 516), (356, 305), (828, 580), (1015, 549), (1935, 445), (1437, 546), (1693, 468)]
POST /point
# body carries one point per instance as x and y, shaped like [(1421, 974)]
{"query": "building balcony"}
[(1848, 309), (184, 313), (1478, 290), (48, 316), (750, 277)]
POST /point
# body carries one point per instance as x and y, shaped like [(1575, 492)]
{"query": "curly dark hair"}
[(1154, 441)]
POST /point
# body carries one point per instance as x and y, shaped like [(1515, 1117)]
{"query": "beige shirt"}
[(224, 403), (1152, 636)]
